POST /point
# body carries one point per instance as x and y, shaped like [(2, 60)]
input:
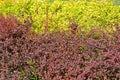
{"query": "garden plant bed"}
[(34, 48)]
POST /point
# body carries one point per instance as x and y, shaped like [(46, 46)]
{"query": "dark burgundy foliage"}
[(25, 55)]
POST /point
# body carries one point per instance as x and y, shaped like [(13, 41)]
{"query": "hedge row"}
[(25, 55), (58, 14)]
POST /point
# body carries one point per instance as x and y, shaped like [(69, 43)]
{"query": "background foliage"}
[(86, 14)]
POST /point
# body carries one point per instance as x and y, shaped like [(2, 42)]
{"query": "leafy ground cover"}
[(25, 55)]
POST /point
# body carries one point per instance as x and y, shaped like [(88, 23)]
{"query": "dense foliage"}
[(15, 42), (25, 55), (67, 53), (58, 14)]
